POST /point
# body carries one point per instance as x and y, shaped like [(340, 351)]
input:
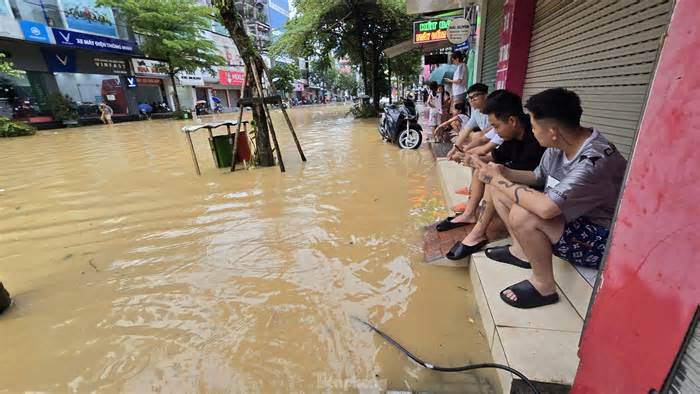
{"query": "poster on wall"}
[(85, 15)]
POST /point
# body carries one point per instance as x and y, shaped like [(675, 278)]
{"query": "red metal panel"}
[(650, 284), (516, 30)]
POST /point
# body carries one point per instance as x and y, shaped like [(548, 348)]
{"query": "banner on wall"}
[(34, 31), (85, 15), (234, 78)]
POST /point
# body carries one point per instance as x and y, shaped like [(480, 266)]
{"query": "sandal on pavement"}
[(528, 296), (460, 250), (502, 255), (447, 224)]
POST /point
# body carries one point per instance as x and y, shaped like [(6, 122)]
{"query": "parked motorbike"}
[(399, 124)]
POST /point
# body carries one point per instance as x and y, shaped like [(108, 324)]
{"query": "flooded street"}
[(132, 274)]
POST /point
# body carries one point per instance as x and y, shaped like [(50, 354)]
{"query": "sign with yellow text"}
[(430, 31)]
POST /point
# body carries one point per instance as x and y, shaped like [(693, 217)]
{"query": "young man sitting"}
[(582, 173), (481, 144), (519, 151), (476, 94)]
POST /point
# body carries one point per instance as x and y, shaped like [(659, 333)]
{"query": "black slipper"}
[(503, 255), (446, 224), (528, 296), (460, 250)]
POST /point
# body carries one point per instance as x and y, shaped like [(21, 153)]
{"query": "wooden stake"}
[(286, 117), (194, 156), (267, 115)]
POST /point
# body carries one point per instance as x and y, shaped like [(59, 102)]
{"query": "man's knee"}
[(522, 219)]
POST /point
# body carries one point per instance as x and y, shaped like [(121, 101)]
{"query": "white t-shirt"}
[(479, 120), (461, 74), (494, 137)]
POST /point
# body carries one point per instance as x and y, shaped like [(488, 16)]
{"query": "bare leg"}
[(537, 236), (476, 192), (487, 212)]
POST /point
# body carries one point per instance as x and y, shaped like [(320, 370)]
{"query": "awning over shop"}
[(408, 45)]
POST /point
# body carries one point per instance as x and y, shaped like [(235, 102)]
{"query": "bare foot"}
[(464, 218), (471, 240)]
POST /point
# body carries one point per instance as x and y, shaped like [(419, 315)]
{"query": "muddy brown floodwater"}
[(131, 274)]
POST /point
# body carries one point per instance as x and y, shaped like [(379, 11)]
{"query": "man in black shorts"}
[(519, 151), (582, 174)]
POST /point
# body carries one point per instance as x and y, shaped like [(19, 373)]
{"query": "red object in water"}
[(243, 149), (649, 289)]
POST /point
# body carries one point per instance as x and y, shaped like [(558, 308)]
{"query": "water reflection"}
[(132, 274)]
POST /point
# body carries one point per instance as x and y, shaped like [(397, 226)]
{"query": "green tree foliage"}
[(9, 128), (284, 75), (172, 31), (358, 29), (322, 72), (347, 82), (6, 67)]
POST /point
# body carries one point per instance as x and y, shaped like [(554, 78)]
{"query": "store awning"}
[(408, 45)]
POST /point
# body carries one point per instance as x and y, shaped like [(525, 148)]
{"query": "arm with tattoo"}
[(532, 200)]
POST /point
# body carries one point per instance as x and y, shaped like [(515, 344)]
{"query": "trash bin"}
[(222, 145)]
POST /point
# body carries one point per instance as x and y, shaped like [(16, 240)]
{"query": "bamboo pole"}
[(267, 115), (286, 116)]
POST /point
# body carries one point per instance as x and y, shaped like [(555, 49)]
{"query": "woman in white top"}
[(459, 87), (435, 108)]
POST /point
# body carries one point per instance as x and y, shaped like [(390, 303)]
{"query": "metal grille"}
[(604, 50), (492, 41), (685, 374)]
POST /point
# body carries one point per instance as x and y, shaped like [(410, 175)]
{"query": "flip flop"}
[(460, 250), (528, 296), (463, 191), (447, 224), (503, 255), (459, 208)]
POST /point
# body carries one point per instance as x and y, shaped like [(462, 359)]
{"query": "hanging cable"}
[(448, 369)]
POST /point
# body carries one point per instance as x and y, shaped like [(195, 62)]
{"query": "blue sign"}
[(60, 60), (131, 82), (34, 31), (75, 39), (463, 47)]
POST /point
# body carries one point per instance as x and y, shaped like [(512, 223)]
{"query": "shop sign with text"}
[(75, 39), (234, 78), (149, 67), (110, 66), (430, 31)]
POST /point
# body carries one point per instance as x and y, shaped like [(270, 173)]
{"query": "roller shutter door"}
[(492, 41), (604, 50)]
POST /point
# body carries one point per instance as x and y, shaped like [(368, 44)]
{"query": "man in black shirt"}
[(519, 151)]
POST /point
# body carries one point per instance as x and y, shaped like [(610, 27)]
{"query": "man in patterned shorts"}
[(582, 174)]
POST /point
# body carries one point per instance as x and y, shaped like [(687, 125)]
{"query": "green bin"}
[(222, 146)]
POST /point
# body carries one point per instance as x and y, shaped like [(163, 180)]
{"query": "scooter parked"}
[(399, 124)]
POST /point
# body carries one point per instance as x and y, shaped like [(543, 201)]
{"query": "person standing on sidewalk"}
[(459, 89), (435, 108)]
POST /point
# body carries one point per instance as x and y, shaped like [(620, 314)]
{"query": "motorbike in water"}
[(399, 125)]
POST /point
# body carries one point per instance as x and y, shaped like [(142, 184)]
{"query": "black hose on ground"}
[(449, 369)]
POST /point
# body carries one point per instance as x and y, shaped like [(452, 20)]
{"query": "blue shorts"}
[(582, 243)]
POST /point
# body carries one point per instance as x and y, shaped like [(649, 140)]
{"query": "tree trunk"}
[(375, 79), (234, 24), (176, 98)]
